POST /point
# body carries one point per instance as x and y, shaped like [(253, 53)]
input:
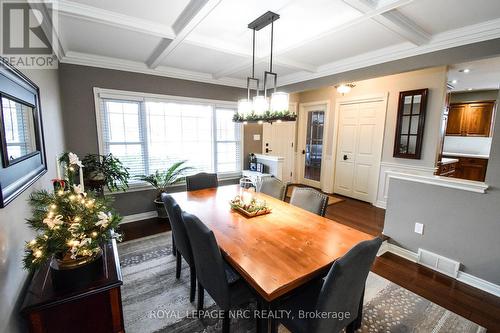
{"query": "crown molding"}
[(85, 59), (449, 39)]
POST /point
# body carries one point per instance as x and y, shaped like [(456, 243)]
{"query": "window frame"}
[(142, 98)]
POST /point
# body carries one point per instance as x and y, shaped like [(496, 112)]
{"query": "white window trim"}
[(100, 93)]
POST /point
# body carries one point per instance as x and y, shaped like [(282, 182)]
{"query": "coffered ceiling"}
[(208, 40)]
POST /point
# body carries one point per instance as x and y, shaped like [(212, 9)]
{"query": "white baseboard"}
[(380, 204), (139, 217), (404, 253), (466, 278), (479, 283)]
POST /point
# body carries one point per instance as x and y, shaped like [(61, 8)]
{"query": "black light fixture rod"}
[(272, 35), (253, 55)]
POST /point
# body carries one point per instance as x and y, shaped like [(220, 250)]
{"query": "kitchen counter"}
[(445, 161), (465, 155)]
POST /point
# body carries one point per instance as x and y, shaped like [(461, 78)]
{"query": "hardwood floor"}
[(471, 303), (357, 214)]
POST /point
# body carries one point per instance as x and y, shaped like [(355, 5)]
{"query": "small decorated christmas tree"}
[(71, 223)]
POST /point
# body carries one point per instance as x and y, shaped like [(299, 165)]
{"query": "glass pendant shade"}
[(244, 107), (279, 102), (260, 105)]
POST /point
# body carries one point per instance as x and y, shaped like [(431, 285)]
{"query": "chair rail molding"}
[(386, 168)]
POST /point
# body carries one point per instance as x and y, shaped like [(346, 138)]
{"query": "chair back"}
[(344, 287), (273, 187), (208, 260), (201, 181), (309, 199), (182, 243)]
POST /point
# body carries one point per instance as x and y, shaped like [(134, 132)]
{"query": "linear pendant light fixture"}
[(260, 108)]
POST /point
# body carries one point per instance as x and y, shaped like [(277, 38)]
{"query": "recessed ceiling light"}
[(465, 70), (469, 89), (454, 81)]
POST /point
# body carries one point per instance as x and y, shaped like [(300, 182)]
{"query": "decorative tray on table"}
[(250, 208)]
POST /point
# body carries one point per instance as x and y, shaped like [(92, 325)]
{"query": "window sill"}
[(143, 186)]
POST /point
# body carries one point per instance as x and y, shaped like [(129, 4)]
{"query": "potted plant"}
[(161, 180), (105, 170), (71, 224)]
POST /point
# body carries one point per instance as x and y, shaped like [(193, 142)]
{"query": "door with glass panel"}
[(312, 119)]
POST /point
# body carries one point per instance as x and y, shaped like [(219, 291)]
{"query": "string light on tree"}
[(69, 220)]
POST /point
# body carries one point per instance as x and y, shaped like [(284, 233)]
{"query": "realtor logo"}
[(24, 42)]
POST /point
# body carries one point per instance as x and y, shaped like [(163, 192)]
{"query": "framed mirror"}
[(410, 123), (21, 135)]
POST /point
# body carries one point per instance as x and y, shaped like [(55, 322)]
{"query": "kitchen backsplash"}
[(467, 145)]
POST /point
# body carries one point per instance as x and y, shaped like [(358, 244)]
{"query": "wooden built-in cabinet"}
[(470, 119), (470, 168), (448, 169)]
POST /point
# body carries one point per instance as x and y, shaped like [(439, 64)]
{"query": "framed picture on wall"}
[(410, 123), (21, 134)]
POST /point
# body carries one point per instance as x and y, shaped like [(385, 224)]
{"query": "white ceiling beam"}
[(366, 16), (102, 16), (194, 13), (394, 21), (292, 64), (281, 61)]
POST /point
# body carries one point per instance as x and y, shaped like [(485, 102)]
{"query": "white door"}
[(278, 139), (312, 124), (359, 149)]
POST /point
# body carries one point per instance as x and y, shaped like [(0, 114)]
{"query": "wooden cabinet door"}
[(473, 168), (479, 119), (456, 119)]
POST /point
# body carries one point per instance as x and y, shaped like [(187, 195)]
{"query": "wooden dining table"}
[(277, 252)]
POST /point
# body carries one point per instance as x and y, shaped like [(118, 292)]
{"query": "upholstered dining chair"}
[(201, 181), (273, 187), (214, 275), (309, 199), (341, 292), (182, 243)]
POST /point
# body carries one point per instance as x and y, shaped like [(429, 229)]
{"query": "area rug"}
[(154, 301)]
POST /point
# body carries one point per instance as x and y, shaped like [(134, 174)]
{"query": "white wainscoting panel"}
[(383, 183)]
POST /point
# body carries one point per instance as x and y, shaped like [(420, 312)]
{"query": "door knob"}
[(345, 158), (303, 152), (268, 150)]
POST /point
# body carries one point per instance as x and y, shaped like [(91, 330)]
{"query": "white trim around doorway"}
[(326, 157), (380, 97)]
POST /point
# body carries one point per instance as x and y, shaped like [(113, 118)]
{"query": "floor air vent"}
[(439, 263)]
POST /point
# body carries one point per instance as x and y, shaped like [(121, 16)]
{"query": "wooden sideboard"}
[(95, 307)]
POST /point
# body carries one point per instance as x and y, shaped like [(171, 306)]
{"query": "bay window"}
[(150, 132)]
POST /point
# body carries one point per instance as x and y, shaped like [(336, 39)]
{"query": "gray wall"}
[(250, 145), (13, 229), (461, 225), (77, 83)]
